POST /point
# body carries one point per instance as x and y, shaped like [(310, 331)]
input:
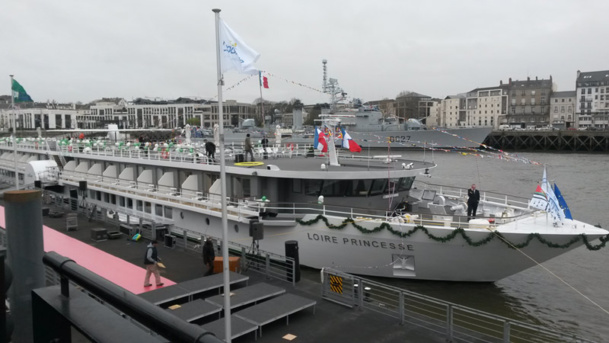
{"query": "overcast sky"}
[(81, 50)]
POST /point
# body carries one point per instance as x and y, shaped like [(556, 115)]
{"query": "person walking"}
[(472, 202), (210, 148), (248, 148), (208, 256), (150, 261)]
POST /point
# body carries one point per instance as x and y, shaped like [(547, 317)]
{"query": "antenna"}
[(331, 86), (325, 68)]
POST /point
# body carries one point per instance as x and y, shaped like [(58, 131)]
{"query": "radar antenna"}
[(330, 86)]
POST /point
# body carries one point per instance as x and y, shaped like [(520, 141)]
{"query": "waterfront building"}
[(412, 105), (452, 111), (486, 106), (529, 102), (562, 110), (592, 91), (49, 115)]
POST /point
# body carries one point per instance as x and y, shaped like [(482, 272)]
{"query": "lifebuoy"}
[(292, 146), (165, 154)]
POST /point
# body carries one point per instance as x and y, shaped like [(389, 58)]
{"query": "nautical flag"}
[(264, 82), (234, 53), (540, 200), (320, 140), (19, 94), (349, 143), (562, 203), (553, 207)]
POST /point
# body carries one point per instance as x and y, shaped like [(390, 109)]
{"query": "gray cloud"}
[(83, 50)]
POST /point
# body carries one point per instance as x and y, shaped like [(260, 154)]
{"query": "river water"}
[(571, 297)]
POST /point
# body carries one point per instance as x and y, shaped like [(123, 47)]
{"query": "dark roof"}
[(412, 95), (593, 76), (564, 94)]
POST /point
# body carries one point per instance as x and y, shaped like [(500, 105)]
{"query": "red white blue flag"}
[(320, 140), (349, 143)]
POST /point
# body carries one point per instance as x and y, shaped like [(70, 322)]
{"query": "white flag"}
[(234, 53), (553, 206)]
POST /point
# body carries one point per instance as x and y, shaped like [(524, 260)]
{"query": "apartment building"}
[(592, 106), (562, 109), (529, 102), (486, 106)]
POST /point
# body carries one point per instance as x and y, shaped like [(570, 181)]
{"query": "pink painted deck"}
[(112, 268)]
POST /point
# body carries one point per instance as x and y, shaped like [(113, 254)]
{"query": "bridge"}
[(558, 140)]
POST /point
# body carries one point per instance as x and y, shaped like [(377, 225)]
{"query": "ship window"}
[(158, 210), (168, 212), (297, 186), (121, 201), (378, 186), (361, 187), (312, 187), (147, 207), (139, 205), (405, 183)]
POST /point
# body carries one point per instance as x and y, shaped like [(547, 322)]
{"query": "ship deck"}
[(329, 322)]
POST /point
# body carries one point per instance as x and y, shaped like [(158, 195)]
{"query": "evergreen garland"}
[(455, 232)]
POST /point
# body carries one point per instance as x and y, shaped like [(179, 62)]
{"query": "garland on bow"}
[(459, 231)]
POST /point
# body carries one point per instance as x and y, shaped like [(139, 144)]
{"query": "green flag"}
[(19, 94)]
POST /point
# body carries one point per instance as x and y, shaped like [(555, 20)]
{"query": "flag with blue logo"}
[(234, 53)]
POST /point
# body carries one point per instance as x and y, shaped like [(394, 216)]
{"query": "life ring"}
[(249, 164), (291, 146), (165, 154), (69, 148), (407, 218)]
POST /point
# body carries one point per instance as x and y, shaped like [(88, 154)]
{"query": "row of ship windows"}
[(356, 188)]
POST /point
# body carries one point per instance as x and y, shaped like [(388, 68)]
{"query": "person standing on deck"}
[(208, 256), (472, 202), (248, 148), (150, 261)]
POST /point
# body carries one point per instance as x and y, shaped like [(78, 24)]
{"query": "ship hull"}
[(399, 139)]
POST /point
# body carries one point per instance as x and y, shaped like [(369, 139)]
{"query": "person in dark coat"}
[(210, 149), (150, 261), (248, 148), (208, 256), (472, 202)]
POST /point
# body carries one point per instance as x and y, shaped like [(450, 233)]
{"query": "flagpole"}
[(14, 136), (261, 99), (227, 319)]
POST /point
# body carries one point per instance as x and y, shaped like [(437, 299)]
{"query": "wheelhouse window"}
[(356, 188)]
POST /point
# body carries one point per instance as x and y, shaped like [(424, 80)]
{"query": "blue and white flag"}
[(553, 206), (562, 203), (234, 53)]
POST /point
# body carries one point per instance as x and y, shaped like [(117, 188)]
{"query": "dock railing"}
[(458, 323)]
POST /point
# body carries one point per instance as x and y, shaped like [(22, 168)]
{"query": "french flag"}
[(349, 143), (320, 140)]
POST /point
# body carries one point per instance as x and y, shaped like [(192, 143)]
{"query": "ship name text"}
[(359, 242)]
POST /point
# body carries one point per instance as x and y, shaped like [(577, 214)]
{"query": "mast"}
[(227, 319), (14, 135)]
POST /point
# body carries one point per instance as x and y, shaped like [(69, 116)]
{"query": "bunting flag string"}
[(293, 82), (235, 85)]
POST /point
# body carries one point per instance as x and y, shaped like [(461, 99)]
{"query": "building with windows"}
[(50, 115), (452, 111), (592, 106), (412, 105), (530, 102), (562, 110), (486, 106)]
